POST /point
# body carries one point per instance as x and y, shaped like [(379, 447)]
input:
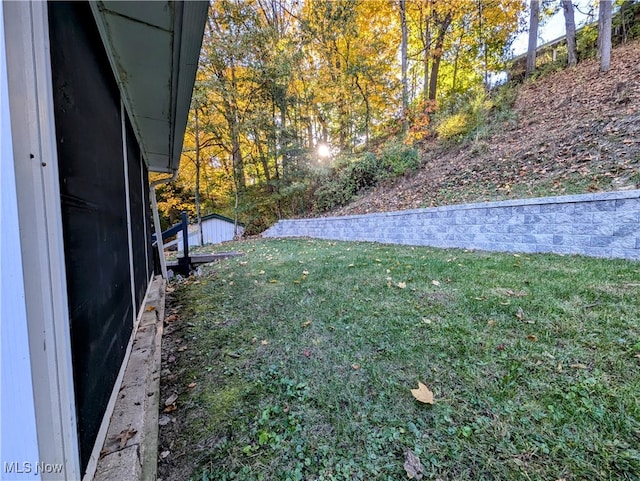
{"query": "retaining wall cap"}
[(563, 199)]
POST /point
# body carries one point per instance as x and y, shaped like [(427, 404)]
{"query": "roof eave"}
[(153, 48)]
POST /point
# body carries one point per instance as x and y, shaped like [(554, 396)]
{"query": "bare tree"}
[(570, 26), (604, 34), (534, 20)]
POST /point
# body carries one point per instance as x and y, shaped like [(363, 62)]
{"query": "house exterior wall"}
[(17, 411), (75, 244), (42, 255), (102, 186), (599, 225)]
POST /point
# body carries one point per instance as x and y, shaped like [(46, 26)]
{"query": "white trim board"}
[(127, 192)]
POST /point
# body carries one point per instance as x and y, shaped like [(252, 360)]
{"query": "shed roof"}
[(154, 47), (219, 217)]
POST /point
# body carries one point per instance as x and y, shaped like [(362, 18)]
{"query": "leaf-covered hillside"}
[(573, 131)]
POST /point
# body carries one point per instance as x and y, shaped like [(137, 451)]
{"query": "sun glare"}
[(324, 151)]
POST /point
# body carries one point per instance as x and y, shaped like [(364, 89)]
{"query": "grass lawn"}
[(296, 361)]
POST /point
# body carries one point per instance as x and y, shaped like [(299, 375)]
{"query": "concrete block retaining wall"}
[(599, 225)]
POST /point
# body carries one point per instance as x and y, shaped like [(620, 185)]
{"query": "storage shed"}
[(216, 228)]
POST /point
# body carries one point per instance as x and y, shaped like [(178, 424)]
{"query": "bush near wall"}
[(353, 173)]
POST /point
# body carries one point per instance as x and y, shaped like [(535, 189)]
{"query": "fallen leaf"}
[(273, 281), (305, 272), (192, 385), (412, 465), (124, 436), (559, 367), (426, 320), (402, 285), (637, 355), (182, 348), (170, 408), (171, 399), (532, 337), (171, 318), (435, 283), (578, 366), (491, 322), (423, 394), (164, 420), (351, 265), (264, 342), (150, 308), (306, 323), (261, 272), (355, 367), (169, 289), (520, 313)]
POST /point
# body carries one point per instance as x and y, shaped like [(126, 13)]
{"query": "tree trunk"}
[(197, 190), (604, 34), (437, 56), (427, 54), (367, 115), (455, 62), (533, 36), (234, 127), (570, 27), (403, 55)]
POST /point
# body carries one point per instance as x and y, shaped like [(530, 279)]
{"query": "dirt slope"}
[(573, 131)]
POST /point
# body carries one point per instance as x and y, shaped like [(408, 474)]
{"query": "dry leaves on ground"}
[(423, 394), (412, 465), (124, 436)]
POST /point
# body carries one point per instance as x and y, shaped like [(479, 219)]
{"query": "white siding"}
[(214, 231), (18, 441), (36, 183)]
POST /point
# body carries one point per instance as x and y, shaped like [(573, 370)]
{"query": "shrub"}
[(397, 158), (454, 126), (472, 117), (587, 41), (351, 174)]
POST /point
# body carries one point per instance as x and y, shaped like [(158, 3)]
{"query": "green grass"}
[(308, 376)]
